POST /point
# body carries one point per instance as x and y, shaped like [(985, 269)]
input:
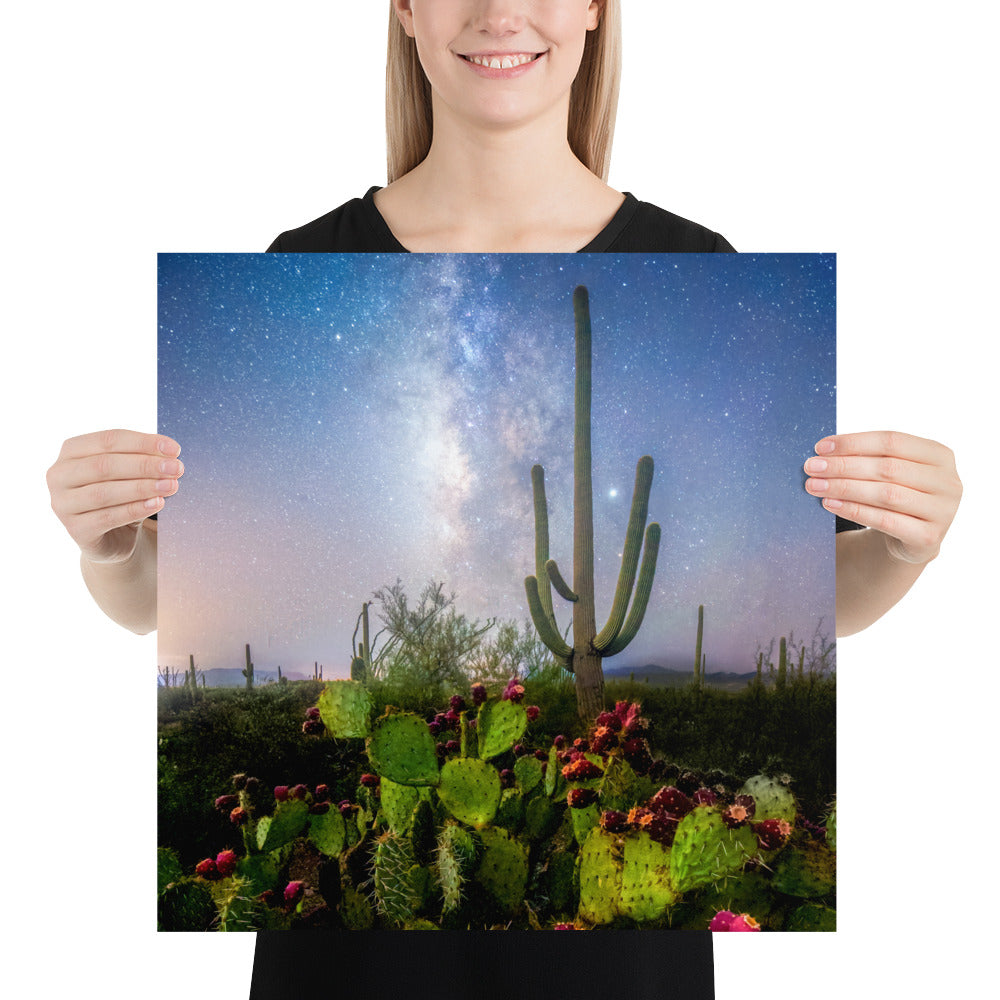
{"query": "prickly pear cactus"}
[(600, 877), (503, 868), (402, 749), (706, 850), (470, 790), (454, 863), (773, 799), (328, 832), (185, 906), (808, 871), (395, 895), (812, 917), (499, 725), (646, 888), (289, 820), (398, 803), (345, 708)]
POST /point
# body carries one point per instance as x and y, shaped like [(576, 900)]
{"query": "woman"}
[(481, 159)]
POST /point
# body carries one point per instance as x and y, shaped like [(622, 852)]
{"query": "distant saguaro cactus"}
[(583, 658), (248, 673), (698, 674)]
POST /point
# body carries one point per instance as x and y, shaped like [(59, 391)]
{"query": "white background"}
[(859, 128)]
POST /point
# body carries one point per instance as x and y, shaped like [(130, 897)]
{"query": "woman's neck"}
[(497, 189)]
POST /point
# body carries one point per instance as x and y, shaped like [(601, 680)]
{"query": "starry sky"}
[(347, 419)]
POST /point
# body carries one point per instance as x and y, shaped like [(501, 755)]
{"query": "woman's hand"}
[(103, 485), (903, 486)]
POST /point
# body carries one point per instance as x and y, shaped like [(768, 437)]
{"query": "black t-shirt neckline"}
[(599, 244)]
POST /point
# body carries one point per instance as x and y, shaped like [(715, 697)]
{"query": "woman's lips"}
[(500, 65)]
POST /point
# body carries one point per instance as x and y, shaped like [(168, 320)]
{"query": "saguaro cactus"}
[(248, 672), (698, 674), (583, 658)]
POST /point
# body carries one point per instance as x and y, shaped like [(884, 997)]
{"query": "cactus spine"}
[(248, 673), (589, 645)]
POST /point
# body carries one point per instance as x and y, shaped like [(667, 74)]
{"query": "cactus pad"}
[(528, 772), (345, 708), (398, 803), (812, 917), (499, 725), (395, 894), (289, 820), (808, 871), (185, 906), (773, 799), (646, 888), (600, 877), (470, 790), (705, 849), (401, 748), (328, 832), (503, 868), (168, 868)]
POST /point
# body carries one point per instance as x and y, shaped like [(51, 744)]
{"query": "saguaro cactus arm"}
[(558, 582), (643, 589), (547, 632), (630, 554)]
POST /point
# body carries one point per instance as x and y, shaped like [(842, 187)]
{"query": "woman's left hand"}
[(903, 486)]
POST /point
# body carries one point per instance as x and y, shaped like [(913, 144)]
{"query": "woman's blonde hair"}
[(593, 99)]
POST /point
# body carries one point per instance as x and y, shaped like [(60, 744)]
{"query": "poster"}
[(370, 717)]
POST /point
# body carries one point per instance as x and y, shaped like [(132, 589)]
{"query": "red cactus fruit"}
[(721, 921), (748, 803), (457, 703), (580, 744), (452, 745), (478, 694), (639, 816), (369, 780), (735, 815), (559, 741), (313, 727), (540, 755), (345, 807), (312, 713), (318, 808), (298, 791), (513, 691), (520, 750), (614, 821), (673, 800), (772, 833), (452, 718), (434, 728), (603, 738), (252, 784), (661, 826), (565, 927), (322, 793), (294, 891), (239, 816), (239, 781), (609, 720), (507, 778), (578, 798), (581, 770), (533, 712), (225, 862), (281, 792), (636, 751), (744, 922), (269, 897), (704, 797), (207, 869), (226, 802)]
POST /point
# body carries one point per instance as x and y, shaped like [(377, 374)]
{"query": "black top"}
[(357, 226)]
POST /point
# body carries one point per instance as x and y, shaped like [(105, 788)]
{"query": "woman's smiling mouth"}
[(500, 64)]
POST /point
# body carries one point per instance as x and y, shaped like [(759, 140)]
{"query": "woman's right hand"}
[(103, 485)]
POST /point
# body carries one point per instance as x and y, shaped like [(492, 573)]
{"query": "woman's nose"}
[(499, 17)]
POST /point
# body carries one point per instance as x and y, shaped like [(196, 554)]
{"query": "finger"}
[(88, 529), (110, 467), (883, 496), (916, 534), (113, 494), (884, 469), (887, 443), (122, 441)]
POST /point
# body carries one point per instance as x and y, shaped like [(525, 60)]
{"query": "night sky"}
[(347, 419)]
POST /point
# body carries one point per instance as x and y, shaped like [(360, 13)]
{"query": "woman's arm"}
[(907, 489)]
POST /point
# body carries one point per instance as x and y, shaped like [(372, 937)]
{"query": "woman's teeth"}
[(501, 62)]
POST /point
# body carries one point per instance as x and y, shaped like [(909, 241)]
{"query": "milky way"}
[(347, 419)]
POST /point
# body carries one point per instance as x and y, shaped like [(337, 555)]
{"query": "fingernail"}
[(816, 465), (816, 485), (152, 503), (166, 485), (832, 504), (825, 446), (169, 448), (171, 467)]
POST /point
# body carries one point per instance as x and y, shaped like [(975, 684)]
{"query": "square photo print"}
[(491, 597)]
